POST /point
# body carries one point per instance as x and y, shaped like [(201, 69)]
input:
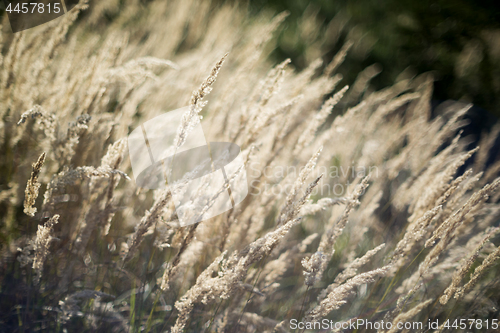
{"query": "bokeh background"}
[(459, 41)]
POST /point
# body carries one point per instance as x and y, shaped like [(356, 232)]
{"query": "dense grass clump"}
[(361, 205)]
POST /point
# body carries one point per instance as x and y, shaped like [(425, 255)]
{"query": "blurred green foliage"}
[(458, 40)]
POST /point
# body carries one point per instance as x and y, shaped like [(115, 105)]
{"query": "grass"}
[(84, 249)]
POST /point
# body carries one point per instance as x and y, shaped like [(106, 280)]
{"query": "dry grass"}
[(410, 237)]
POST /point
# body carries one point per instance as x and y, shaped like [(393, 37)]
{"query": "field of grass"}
[(363, 204)]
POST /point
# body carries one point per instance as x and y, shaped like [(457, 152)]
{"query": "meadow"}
[(363, 204)]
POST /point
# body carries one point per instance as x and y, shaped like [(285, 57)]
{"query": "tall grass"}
[(362, 204)]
